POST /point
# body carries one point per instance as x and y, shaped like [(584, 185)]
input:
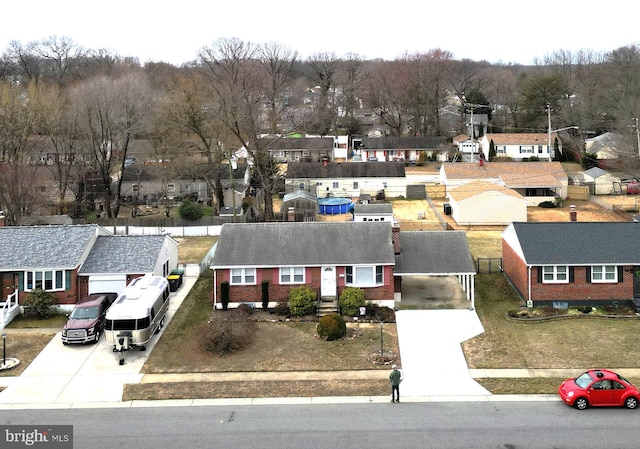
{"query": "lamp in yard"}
[(4, 349), (381, 335)]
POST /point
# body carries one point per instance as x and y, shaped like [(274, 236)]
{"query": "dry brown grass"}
[(193, 249)]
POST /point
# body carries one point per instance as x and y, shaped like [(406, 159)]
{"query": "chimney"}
[(291, 214), (395, 237), (573, 214)]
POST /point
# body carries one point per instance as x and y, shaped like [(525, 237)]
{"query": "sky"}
[(498, 31)]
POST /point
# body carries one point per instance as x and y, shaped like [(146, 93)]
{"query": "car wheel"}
[(631, 402), (581, 403), (97, 337)]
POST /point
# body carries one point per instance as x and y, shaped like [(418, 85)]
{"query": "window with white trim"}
[(240, 276), (292, 275), (555, 274), (604, 273), (526, 149), (49, 280), (364, 275)]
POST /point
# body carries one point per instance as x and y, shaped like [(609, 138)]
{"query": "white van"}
[(137, 314)]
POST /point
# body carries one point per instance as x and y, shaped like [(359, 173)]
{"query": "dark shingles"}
[(303, 244), (434, 252), (317, 170), (579, 243)]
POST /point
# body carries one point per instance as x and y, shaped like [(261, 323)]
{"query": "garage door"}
[(107, 284)]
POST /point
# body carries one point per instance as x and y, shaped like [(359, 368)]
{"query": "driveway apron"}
[(83, 373), (433, 363)]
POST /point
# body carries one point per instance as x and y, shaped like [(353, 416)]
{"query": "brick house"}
[(573, 263), (331, 256), (71, 261)]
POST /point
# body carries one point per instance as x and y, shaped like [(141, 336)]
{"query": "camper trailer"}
[(137, 314)]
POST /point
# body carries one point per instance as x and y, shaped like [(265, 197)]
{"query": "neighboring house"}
[(373, 212), (400, 149), (331, 256), (52, 258), (601, 182), (485, 203), (326, 256), (301, 149), (114, 260), (610, 149), (573, 263), (346, 179), (535, 181), (519, 146)]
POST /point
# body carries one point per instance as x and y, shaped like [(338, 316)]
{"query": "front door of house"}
[(636, 282), (328, 285)]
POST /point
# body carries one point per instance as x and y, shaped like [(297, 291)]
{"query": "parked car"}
[(599, 387), (86, 321), (633, 188)]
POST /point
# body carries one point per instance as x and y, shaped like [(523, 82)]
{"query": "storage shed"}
[(299, 206), (600, 181), (485, 203)]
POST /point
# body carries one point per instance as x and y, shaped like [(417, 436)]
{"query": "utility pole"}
[(549, 130)]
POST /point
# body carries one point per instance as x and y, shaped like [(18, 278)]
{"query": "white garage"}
[(107, 283)]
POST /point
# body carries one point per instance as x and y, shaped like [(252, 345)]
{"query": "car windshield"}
[(584, 380), (84, 313)]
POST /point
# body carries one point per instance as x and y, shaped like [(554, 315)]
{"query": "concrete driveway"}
[(82, 373)]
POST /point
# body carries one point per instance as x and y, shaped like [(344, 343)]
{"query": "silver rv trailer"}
[(137, 314)]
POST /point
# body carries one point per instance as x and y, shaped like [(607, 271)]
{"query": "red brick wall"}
[(515, 269), (280, 292), (578, 290)]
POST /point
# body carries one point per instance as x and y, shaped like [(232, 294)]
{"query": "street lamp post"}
[(550, 131), (381, 339)]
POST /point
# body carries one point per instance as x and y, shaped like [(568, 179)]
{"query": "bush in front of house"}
[(224, 294), (190, 211), (302, 301), (265, 295), (223, 335), (351, 299), (38, 303), (331, 327), (547, 204)]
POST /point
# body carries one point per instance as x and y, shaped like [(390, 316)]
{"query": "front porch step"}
[(327, 306)]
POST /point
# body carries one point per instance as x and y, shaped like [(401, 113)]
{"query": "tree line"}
[(77, 111)]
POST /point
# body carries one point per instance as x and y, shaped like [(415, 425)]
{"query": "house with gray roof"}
[(70, 260), (115, 260), (401, 149), (573, 263), (329, 257), (301, 149), (346, 179), (373, 212)]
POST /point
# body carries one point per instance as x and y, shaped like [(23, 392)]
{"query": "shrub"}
[(351, 299), (39, 302), (385, 314), (282, 309), (547, 204), (302, 301), (331, 327), (245, 310), (224, 294), (265, 295), (223, 335), (190, 211)]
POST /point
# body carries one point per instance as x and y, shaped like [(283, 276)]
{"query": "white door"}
[(328, 285)]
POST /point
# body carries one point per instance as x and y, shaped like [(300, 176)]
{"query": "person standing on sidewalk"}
[(395, 377)]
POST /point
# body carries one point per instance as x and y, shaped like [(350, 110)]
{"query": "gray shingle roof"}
[(29, 247), (404, 143), (373, 208), (579, 243), (434, 252), (124, 254), (303, 244)]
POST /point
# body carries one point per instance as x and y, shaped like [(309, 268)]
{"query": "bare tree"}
[(387, 94), (321, 69), (279, 64), (111, 113), (20, 121)]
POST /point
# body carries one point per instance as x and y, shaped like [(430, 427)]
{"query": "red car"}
[(599, 387)]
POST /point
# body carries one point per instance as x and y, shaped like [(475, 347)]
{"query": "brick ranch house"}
[(573, 263), (331, 256)]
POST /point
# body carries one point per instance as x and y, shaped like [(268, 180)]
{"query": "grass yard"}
[(574, 343)]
